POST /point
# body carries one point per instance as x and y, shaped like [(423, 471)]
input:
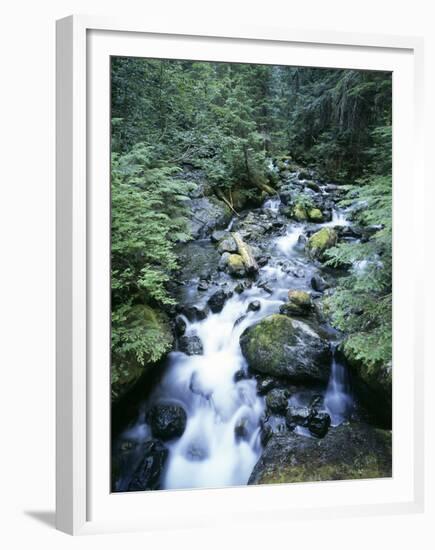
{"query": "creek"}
[(222, 439)]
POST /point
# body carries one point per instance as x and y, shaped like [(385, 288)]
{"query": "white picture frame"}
[(84, 503)]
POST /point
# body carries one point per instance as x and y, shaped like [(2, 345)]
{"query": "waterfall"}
[(338, 400)]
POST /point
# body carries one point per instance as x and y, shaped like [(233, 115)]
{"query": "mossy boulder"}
[(235, 265), (320, 242), (351, 451), (151, 326), (299, 304), (315, 215), (299, 213), (282, 347)]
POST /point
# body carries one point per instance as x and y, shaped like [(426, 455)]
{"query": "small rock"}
[(167, 421), (264, 385), (191, 345), (318, 283), (180, 326), (194, 313), (254, 306), (319, 424), (241, 429), (277, 401), (147, 475), (297, 416), (202, 285), (217, 300)]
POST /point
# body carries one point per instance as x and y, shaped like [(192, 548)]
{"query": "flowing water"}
[(219, 401)]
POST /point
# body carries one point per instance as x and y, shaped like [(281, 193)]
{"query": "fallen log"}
[(245, 252)]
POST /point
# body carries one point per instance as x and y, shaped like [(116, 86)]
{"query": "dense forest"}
[(230, 120)]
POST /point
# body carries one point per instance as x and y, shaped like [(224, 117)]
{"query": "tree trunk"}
[(245, 252)]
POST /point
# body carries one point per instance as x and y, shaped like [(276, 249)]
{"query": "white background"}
[(27, 269)]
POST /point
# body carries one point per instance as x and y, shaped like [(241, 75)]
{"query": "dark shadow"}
[(47, 517)]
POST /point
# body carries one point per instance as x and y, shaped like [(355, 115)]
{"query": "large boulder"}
[(352, 451), (277, 401), (227, 244), (167, 421), (280, 346), (147, 475), (319, 243), (206, 215)]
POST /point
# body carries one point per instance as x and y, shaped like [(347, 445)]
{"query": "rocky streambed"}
[(256, 389)]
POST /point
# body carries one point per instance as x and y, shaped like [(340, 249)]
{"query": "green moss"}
[(264, 344), (300, 298), (235, 265), (366, 467), (321, 241), (300, 213), (315, 215)]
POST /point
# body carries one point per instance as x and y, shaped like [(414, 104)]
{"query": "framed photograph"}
[(238, 317)]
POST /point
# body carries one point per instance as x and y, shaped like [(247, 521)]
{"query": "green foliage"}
[(362, 304), (148, 218)]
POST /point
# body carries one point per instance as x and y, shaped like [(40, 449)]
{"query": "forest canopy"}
[(234, 121)]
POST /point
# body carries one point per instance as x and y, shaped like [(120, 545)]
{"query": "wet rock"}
[(218, 235), (223, 262), (217, 300), (227, 244), (242, 429), (262, 260), (313, 186), (194, 313), (318, 283), (299, 304), (203, 285), (320, 242), (315, 215), (277, 401), (207, 214), (255, 305), (191, 345), (298, 416), (147, 474), (265, 285), (273, 425), (280, 346), (239, 320), (265, 384), (167, 421), (299, 213), (242, 286), (180, 326), (319, 424), (353, 451)]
